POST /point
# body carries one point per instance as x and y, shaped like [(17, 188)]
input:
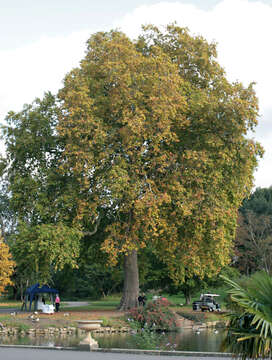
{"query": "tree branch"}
[(90, 233)]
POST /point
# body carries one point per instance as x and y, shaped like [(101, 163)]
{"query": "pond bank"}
[(58, 331), (69, 330)]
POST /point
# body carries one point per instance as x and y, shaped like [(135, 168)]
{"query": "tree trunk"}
[(187, 295), (131, 282)]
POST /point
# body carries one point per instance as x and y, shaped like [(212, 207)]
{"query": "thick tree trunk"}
[(131, 282), (187, 295)]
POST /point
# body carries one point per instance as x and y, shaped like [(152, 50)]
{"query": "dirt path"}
[(75, 303)]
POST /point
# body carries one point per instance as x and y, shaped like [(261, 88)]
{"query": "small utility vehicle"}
[(206, 303)]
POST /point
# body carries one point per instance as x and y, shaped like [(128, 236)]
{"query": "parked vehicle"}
[(206, 303)]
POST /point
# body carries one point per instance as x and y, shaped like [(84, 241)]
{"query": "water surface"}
[(185, 340)]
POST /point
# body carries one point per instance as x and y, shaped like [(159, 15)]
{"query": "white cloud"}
[(29, 71), (241, 28)]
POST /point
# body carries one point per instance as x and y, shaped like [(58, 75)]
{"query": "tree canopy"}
[(44, 240), (155, 132)]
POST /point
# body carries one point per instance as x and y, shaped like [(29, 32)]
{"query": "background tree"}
[(42, 241), (7, 218), (6, 266), (155, 135), (259, 202), (253, 243)]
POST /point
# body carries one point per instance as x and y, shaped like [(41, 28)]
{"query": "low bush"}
[(23, 327), (156, 315)]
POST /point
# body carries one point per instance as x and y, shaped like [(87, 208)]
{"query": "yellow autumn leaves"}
[(6, 266)]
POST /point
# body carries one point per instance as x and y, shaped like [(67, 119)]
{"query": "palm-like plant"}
[(250, 328)]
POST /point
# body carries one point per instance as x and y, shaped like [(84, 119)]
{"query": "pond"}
[(207, 340)]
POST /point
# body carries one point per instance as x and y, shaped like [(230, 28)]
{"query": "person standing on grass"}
[(142, 299), (57, 302)]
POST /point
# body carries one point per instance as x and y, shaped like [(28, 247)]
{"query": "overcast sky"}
[(41, 40)]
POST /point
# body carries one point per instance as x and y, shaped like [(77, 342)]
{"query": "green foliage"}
[(153, 273), (155, 315), (158, 134), (146, 338), (250, 327), (42, 242), (260, 202), (218, 282), (230, 304), (23, 327), (7, 216), (253, 243), (106, 322), (91, 280), (192, 288), (32, 153), (44, 248)]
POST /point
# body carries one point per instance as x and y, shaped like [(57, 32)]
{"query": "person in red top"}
[(57, 303)]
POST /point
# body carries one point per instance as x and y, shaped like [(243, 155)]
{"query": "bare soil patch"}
[(64, 318)]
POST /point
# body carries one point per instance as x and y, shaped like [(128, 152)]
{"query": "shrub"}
[(146, 339), (155, 315), (23, 327), (162, 301)]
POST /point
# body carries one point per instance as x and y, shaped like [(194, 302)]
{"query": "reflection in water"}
[(185, 340), (64, 340)]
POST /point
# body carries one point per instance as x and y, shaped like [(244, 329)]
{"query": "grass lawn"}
[(9, 303), (107, 303), (105, 309), (62, 319)]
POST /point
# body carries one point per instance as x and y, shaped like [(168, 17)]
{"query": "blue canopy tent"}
[(34, 290)]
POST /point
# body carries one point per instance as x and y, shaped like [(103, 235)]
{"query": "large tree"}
[(117, 112), (156, 136)]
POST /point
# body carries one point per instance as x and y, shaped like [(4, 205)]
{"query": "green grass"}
[(111, 302), (178, 299), (14, 323), (9, 303)]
